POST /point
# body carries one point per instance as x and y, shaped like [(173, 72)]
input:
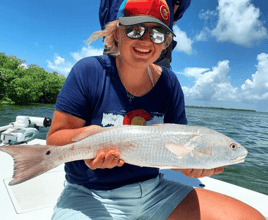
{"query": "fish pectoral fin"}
[(205, 152), (91, 131), (177, 149)]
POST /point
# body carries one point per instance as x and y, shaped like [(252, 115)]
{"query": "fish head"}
[(216, 150)]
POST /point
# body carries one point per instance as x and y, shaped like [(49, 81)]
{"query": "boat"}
[(35, 199)]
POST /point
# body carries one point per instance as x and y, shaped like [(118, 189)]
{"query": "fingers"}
[(218, 170), (98, 161), (198, 173), (109, 158)]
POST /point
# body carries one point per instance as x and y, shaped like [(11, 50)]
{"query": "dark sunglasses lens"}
[(158, 35), (135, 32), (158, 38)]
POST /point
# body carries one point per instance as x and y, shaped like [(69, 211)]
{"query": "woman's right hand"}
[(108, 158)]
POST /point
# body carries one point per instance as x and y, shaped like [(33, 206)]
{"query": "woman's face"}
[(138, 52)]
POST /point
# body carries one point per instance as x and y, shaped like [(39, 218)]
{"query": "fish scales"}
[(162, 146)]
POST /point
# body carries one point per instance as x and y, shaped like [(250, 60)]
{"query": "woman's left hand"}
[(198, 173)]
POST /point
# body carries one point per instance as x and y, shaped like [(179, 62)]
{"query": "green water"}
[(248, 128)]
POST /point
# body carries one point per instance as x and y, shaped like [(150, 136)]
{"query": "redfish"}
[(162, 146)]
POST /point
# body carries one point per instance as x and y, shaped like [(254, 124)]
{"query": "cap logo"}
[(164, 12)]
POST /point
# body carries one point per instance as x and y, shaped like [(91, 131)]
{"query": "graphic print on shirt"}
[(134, 117)]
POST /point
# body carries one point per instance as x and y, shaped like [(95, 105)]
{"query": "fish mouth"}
[(238, 160)]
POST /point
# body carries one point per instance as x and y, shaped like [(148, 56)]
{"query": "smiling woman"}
[(131, 31), (127, 87)]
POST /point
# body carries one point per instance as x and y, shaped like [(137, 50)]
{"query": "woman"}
[(129, 89)]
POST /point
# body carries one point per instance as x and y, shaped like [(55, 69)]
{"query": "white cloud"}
[(239, 23), (204, 34), (86, 52), (60, 65), (201, 36), (215, 86), (210, 18), (205, 15), (63, 66), (257, 88), (195, 72), (184, 43), (210, 85), (24, 66)]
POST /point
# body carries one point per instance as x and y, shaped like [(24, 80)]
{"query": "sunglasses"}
[(157, 34)]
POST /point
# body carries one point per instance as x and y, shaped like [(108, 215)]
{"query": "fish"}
[(166, 146)]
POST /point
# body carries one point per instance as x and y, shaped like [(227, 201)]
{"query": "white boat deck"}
[(36, 198)]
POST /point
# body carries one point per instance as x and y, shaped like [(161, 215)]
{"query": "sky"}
[(221, 58)]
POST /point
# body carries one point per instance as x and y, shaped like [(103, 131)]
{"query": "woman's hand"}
[(198, 173), (108, 158)]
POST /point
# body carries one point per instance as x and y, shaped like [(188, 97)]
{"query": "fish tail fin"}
[(29, 161)]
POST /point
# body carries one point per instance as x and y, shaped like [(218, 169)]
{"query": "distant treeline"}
[(23, 85), (233, 109)]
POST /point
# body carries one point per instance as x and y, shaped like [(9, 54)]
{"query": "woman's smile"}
[(141, 51)]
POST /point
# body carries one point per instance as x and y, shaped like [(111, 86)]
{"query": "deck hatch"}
[(40, 192)]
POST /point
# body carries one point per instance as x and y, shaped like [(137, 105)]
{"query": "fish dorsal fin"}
[(91, 131), (177, 149)]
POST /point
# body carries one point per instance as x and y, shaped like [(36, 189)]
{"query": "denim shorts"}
[(153, 199)]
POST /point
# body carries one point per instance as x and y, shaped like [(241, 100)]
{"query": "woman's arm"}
[(63, 128)]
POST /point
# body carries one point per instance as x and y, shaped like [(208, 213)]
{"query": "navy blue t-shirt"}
[(93, 92)]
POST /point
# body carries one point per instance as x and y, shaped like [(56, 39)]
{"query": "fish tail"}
[(29, 161)]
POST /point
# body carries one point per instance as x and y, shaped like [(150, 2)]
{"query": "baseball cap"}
[(144, 11)]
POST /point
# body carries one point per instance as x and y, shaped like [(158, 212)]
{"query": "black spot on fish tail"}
[(29, 161), (48, 152)]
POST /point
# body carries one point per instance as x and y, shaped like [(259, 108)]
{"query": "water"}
[(248, 128)]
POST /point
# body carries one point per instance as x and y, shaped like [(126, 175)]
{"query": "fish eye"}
[(233, 146)]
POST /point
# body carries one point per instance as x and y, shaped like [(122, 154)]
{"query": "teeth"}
[(142, 50)]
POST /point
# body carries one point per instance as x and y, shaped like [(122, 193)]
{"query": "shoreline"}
[(219, 108), (187, 106)]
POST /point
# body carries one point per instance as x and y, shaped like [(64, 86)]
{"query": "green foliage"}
[(11, 62), (24, 86), (51, 88), (6, 76)]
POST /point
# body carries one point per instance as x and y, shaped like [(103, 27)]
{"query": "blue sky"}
[(221, 58)]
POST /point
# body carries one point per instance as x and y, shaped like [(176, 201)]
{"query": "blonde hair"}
[(110, 42), (108, 34)]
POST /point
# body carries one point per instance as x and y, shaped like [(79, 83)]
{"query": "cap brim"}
[(142, 19)]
